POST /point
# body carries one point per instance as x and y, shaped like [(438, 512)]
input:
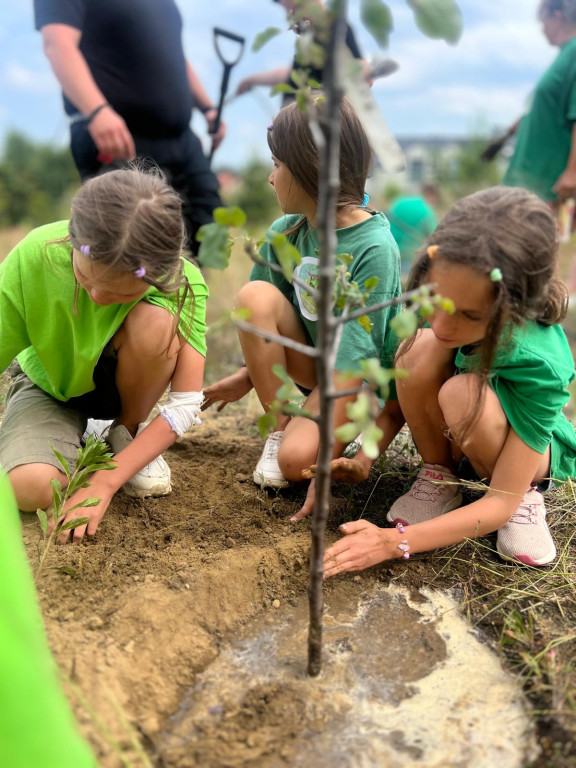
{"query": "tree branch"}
[(274, 338)]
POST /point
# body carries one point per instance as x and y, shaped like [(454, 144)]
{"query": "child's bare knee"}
[(31, 485), (293, 458), (257, 296)]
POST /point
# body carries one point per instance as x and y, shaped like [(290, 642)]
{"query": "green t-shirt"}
[(36, 725), (56, 330), (412, 220), (545, 134), (531, 375), (374, 253)]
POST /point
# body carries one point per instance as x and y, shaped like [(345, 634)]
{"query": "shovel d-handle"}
[(228, 64)]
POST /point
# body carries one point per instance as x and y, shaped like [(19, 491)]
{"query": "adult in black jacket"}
[(129, 91)]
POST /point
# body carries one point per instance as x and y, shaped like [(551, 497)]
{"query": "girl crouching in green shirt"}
[(103, 313), (488, 381)]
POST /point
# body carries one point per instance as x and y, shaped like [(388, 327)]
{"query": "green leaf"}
[(371, 435), (215, 246), (92, 502), (405, 324), (286, 254), (57, 494), (371, 283), (68, 570), (344, 258), (282, 88), (301, 101), (76, 523), (293, 409), (347, 432), (62, 461), (377, 19), (266, 424), (43, 517), (426, 308), (438, 19), (359, 410), (264, 37), (365, 323), (279, 371), (230, 217)]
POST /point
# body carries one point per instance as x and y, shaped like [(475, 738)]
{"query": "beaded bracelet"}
[(404, 547)]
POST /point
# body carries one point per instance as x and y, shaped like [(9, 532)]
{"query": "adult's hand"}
[(228, 390), (111, 135), (363, 545), (218, 137), (244, 86), (565, 187)]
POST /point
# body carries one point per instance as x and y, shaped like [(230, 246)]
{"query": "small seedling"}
[(93, 457)]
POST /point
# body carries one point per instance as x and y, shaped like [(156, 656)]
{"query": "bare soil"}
[(135, 616)]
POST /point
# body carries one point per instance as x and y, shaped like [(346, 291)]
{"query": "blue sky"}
[(439, 89)]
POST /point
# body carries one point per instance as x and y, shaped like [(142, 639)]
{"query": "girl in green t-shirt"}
[(488, 381), (103, 314), (286, 305)]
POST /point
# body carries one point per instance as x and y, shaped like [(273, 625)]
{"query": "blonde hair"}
[(132, 220)]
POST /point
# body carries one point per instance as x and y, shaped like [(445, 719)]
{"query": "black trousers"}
[(182, 160)]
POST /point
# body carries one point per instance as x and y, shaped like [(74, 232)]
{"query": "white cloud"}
[(15, 76)]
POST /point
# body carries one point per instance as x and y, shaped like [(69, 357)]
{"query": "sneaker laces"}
[(272, 446), (426, 490), (526, 514)]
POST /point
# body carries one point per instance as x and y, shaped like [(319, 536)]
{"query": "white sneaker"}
[(153, 479), (97, 427), (267, 472)]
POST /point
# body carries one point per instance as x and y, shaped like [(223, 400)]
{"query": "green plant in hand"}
[(93, 457)]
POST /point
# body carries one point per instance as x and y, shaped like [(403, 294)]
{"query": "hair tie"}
[(432, 251), (140, 272), (496, 275), (365, 200), (85, 251)]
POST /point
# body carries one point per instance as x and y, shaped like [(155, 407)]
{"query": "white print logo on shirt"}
[(307, 271)]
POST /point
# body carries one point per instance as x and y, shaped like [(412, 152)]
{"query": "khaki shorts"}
[(34, 420)]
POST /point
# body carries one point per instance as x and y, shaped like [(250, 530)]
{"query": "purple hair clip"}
[(271, 127), (85, 251), (140, 272)]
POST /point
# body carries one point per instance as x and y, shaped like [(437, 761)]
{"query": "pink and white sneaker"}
[(526, 536), (434, 492)]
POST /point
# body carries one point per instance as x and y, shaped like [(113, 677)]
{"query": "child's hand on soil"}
[(343, 471), (227, 390), (94, 513), (363, 546)]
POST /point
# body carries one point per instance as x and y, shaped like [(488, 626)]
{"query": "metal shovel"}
[(228, 64)]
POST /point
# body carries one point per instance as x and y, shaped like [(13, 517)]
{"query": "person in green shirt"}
[(412, 220), (544, 158), (282, 305), (37, 729), (103, 313), (488, 378)]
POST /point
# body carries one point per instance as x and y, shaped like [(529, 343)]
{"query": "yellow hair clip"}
[(432, 251)]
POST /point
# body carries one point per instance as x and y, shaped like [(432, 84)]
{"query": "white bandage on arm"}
[(182, 410)]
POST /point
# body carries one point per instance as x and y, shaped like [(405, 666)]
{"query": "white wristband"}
[(182, 410)]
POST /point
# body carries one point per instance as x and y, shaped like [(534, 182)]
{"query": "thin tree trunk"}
[(329, 187)]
